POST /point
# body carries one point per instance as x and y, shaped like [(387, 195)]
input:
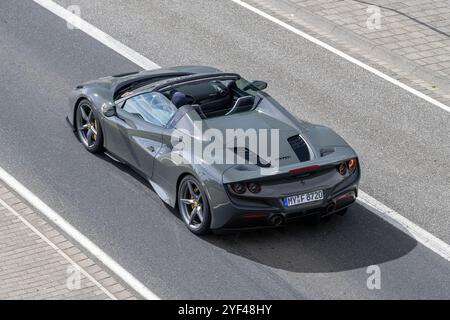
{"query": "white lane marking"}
[(389, 215), (343, 55), (77, 236), (420, 235), (58, 250), (97, 34)]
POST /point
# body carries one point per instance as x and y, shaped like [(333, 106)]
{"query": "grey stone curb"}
[(35, 255)]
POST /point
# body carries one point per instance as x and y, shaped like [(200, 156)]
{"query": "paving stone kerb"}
[(37, 261), (413, 35)]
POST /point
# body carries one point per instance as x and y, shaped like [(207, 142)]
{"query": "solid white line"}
[(58, 250), (343, 55), (389, 215), (97, 34), (420, 235), (77, 235)]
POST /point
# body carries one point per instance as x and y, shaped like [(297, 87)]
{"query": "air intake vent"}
[(300, 148), (325, 152)]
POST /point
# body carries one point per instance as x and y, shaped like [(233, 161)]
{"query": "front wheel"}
[(194, 206), (88, 127)]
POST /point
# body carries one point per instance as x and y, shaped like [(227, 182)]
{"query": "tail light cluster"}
[(241, 187), (348, 166)]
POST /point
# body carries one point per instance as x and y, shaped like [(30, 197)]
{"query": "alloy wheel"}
[(191, 204), (87, 125)]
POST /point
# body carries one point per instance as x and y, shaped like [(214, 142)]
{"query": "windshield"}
[(152, 107)]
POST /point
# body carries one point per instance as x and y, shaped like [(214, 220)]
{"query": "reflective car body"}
[(311, 157)]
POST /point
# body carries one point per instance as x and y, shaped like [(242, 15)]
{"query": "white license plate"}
[(303, 198)]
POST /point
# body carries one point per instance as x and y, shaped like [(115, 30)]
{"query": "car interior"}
[(212, 98)]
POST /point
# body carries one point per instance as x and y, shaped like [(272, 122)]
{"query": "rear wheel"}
[(88, 127), (194, 206)]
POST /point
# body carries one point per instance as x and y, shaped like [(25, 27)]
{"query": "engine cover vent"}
[(300, 148)]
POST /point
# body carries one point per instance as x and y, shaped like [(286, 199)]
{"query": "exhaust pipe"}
[(277, 220), (330, 208)]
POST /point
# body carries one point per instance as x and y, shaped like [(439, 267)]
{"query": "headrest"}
[(178, 98)]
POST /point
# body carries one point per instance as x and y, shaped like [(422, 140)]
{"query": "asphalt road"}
[(402, 140)]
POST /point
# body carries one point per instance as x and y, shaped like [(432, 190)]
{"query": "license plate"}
[(303, 198)]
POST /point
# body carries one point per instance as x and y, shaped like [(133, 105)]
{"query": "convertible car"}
[(134, 118)]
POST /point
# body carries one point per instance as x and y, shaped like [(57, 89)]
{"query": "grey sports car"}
[(163, 122)]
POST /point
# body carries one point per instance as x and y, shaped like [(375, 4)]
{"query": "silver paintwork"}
[(148, 150)]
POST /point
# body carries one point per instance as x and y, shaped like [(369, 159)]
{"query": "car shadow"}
[(128, 170), (358, 239), (124, 168)]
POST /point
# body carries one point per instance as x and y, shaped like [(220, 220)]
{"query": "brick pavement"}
[(37, 261), (411, 43)]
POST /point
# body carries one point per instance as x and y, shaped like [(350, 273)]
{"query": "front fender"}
[(95, 95)]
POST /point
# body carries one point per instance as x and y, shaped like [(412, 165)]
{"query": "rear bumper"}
[(234, 215), (272, 218)]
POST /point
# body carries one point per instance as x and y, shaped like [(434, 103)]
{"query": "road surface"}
[(402, 142)]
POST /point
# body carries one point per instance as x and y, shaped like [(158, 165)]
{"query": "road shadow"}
[(357, 240), (124, 168), (128, 170)]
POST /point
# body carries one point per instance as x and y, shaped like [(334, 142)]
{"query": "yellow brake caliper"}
[(94, 136), (196, 190)]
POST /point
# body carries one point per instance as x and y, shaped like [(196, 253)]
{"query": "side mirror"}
[(108, 110), (261, 85)]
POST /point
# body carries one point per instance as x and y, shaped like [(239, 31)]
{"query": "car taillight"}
[(342, 168), (238, 187), (351, 164), (254, 187)]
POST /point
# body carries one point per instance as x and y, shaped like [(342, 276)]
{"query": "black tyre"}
[(88, 127), (193, 205)]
